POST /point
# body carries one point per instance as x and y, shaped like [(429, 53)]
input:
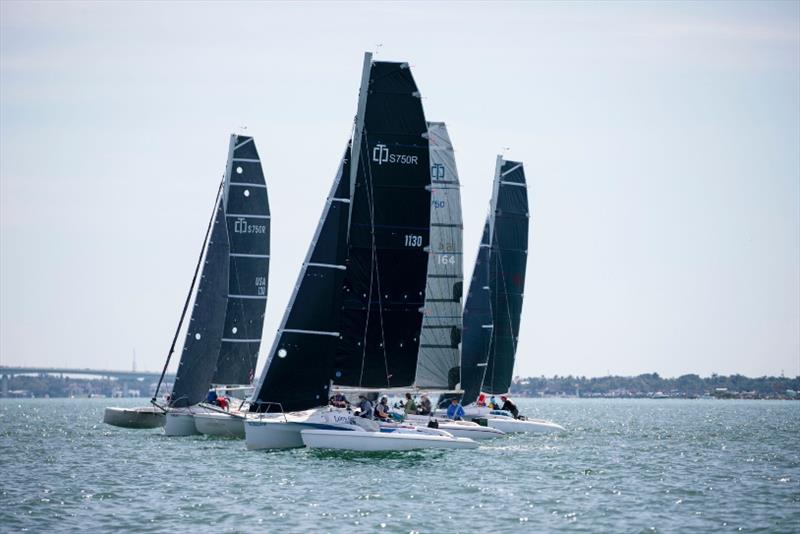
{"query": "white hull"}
[(460, 429), (355, 440), (180, 423), (510, 425), (220, 424), (146, 417), (502, 420), (281, 431), (272, 434)]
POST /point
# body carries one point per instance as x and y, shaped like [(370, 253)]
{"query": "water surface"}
[(623, 466)]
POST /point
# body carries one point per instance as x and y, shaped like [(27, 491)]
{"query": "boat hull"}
[(146, 417), (460, 429), (511, 426), (272, 434), (220, 424), (381, 441), (180, 423)]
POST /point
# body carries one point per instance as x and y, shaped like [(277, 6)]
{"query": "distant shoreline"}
[(649, 385)]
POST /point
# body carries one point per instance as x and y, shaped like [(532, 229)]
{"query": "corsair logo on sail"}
[(381, 155), (242, 227)]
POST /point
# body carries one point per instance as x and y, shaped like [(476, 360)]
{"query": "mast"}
[(361, 108)]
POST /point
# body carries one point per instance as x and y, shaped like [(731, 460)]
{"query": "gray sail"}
[(248, 223), (203, 335), (438, 360)]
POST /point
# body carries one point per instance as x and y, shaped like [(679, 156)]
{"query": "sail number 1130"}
[(413, 240)]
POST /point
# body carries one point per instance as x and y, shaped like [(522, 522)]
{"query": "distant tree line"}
[(690, 385)]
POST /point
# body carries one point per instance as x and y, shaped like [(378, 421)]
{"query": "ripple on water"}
[(624, 465)]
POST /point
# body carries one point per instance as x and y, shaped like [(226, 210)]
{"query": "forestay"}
[(203, 335)]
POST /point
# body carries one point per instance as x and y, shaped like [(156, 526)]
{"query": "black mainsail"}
[(387, 260), (224, 331), (503, 264), (248, 223), (355, 315)]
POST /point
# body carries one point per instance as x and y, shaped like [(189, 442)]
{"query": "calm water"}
[(624, 466)]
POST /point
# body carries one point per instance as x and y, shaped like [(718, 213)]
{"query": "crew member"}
[(411, 406), (455, 411), (382, 409), (364, 407), (509, 406), (424, 407)]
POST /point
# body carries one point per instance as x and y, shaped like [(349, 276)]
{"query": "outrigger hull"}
[(146, 417), (220, 424), (180, 423), (510, 425), (354, 440)]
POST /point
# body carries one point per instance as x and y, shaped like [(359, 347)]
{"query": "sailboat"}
[(494, 302), (224, 331), (438, 360), (365, 273)]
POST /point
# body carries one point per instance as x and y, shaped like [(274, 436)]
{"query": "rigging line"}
[(371, 267), (189, 295), (508, 309), (377, 269)]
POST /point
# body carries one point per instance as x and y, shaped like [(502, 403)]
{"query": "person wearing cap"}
[(364, 407), (382, 409), (424, 407), (509, 406), (455, 411), (493, 404)]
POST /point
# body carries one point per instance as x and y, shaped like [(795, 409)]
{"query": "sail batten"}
[(494, 304), (297, 372), (389, 229), (438, 363), (248, 225)]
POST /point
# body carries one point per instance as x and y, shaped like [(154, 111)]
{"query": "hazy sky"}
[(661, 143)]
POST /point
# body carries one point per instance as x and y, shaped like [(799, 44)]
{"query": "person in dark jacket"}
[(364, 407), (424, 407), (509, 406)]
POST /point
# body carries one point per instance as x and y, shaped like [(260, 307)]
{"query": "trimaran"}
[(229, 287), (356, 315), (494, 302)]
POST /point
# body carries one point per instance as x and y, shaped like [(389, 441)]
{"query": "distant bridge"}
[(105, 373)]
